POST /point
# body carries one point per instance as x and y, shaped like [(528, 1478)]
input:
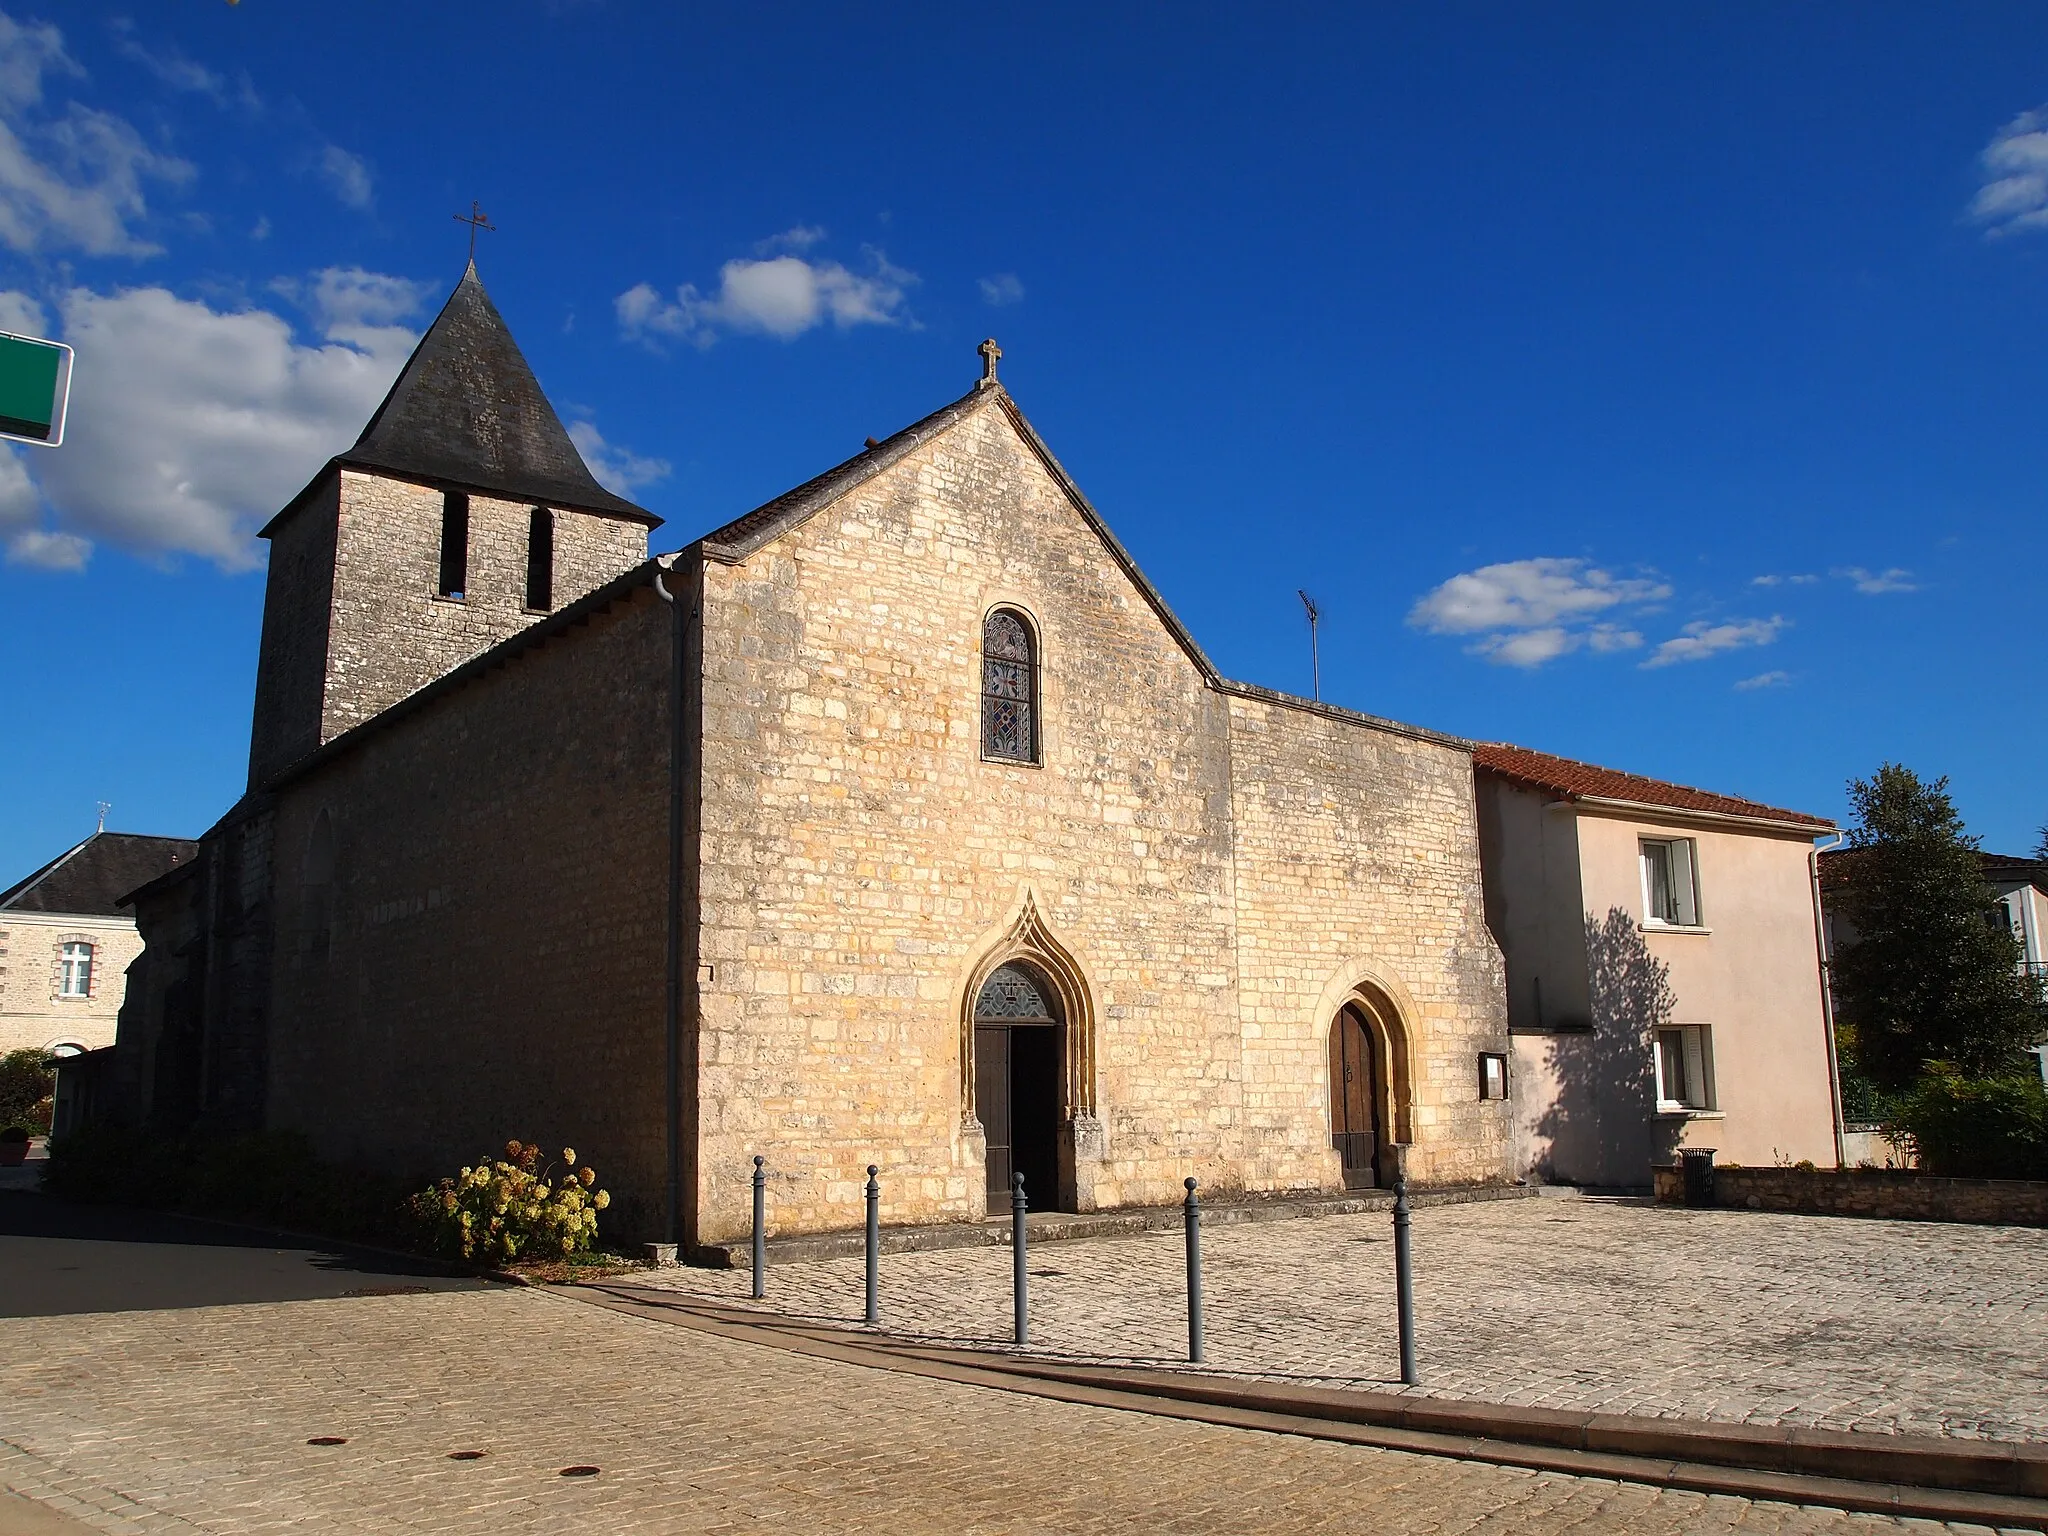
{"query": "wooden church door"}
[(1018, 1057), (1354, 1097)]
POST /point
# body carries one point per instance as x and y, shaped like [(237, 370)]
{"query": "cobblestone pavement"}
[(1623, 1307), (198, 1421)]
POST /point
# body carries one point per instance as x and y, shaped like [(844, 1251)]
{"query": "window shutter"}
[(92, 970), (1695, 1068), (1684, 889)]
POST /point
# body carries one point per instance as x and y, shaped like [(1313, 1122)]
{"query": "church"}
[(896, 821)]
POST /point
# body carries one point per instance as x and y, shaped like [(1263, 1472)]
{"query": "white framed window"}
[(1684, 1064), (1671, 884), (74, 970)]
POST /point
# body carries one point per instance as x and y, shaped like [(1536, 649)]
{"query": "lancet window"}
[(1009, 688)]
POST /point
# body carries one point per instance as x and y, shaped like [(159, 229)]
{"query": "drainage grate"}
[(1048, 1274), (328, 1440), (467, 1455), (579, 1472)]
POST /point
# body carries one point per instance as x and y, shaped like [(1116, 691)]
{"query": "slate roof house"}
[(66, 941), (1663, 970), (898, 820)]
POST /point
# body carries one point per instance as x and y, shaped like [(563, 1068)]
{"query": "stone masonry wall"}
[(392, 634), (493, 957), (1357, 859), (33, 1010), (291, 667), (859, 859), (1885, 1194)]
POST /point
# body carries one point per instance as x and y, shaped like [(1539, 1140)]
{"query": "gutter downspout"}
[(672, 1227), (1827, 990)]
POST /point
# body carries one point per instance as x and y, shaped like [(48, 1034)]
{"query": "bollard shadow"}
[(1598, 1128)]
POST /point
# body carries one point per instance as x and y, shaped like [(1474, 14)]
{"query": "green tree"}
[(1924, 972), (27, 1079)]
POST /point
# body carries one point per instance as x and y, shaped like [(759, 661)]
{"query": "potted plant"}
[(13, 1146)]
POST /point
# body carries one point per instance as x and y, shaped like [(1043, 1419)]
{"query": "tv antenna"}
[(1315, 661)]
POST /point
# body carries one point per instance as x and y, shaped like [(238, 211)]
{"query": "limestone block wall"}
[(391, 633), (34, 1013), (487, 960), (1357, 860), (859, 856), (291, 669)]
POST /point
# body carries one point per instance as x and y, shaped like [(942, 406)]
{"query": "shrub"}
[(511, 1208), (1974, 1127), (28, 1078)]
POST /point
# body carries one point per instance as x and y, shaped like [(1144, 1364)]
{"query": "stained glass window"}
[(1012, 993), (1009, 689)]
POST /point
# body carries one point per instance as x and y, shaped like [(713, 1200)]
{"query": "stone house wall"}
[(33, 1011), (1883, 1194)]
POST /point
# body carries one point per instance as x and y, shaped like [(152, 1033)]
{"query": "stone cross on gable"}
[(989, 353)]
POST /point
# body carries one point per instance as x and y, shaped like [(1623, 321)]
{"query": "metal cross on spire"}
[(989, 353), (476, 219)]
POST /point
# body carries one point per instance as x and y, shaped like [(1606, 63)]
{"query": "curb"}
[(1989, 1482)]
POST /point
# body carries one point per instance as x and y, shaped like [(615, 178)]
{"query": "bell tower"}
[(462, 515)]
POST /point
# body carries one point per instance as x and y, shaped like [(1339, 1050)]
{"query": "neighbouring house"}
[(1663, 970), (66, 942), (897, 820)]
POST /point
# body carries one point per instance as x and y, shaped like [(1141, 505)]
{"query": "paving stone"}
[(1619, 1306), (200, 1420)]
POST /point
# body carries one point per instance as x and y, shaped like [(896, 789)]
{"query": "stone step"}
[(1066, 1226)]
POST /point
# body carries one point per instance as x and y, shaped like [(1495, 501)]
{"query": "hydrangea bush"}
[(512, 1207)]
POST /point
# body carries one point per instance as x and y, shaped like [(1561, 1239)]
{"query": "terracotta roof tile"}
[(1577, 781)]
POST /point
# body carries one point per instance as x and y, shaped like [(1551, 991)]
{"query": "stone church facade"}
[(897, 821)]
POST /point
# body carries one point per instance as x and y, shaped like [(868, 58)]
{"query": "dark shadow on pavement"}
[(56, 1257)]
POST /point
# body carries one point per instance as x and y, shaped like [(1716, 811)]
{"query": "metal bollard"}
[(1018, 1207), (1191, 1217), (760, 1227), (874, 1312), (1404, 1277)]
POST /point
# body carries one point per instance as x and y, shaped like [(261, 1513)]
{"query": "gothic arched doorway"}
[(1356, 1075), (1019, 1077)]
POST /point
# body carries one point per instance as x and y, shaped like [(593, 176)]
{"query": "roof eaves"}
[(1804, 825), (506, 650)]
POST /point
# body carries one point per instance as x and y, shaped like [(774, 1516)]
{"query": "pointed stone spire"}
[(467, 411)]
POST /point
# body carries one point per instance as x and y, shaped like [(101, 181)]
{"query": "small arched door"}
[(1354, 1096), (1019, 1064)]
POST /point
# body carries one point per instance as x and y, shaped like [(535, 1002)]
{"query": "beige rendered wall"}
[(33, 1013), (1752, 977), (860, 860)]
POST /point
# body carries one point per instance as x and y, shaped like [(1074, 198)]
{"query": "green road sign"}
[(35, 386)]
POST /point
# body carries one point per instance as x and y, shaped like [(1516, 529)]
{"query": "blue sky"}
[(1662, 386)]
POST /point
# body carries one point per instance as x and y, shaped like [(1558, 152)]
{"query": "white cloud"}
[(49, 550), (181, 73), (347, 176), (1764, 680), (1527, 612), (1877, 583), (190, 426), (358, 307), (618, 469), (1701, 639), (801, 238), (22, 315), (2014, 194), (1773, 580), (781, 296), (73, 179), (1003, 289)]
